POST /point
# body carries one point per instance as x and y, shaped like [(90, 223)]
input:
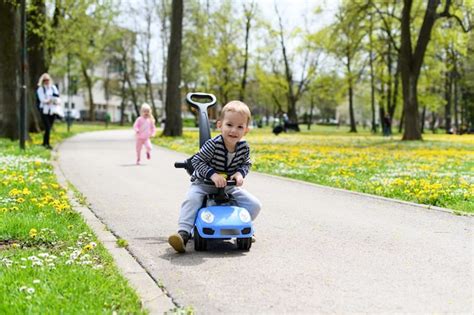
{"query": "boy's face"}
[(233, 127)]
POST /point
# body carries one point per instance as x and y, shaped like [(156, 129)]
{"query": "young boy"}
[(226, 155)]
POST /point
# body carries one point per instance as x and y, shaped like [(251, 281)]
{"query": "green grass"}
[(50, 260), (437, 171), (122, 243)]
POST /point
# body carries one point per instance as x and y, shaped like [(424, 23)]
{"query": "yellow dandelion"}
[(33, 233)]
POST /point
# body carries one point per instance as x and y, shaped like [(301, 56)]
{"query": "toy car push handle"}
[(204, 127), (180, 164), (187, 165)]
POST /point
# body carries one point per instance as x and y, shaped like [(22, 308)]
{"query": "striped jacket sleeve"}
[(247, 163), (201, 160)]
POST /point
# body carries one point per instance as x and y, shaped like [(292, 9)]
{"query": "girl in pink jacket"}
[(144, 128)]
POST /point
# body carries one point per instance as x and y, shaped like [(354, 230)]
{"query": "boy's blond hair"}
[(236, 107)]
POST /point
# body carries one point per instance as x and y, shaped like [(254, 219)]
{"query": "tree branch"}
[(448, 15)]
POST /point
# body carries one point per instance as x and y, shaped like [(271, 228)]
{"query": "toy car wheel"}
[(244, 243), (200, 243)]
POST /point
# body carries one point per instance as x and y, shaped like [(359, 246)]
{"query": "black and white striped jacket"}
[(212, 158)]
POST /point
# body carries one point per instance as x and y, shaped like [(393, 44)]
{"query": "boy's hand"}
[(219, 180), (239, 179)]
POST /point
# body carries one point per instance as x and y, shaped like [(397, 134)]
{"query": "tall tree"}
[(411, 59), (174, 123), (309, 63), (163, 14), (249, 13), (467, 87), (147, 13), (348, 36), (9, 69)]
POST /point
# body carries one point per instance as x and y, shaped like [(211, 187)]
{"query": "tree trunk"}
[(402, 121), (164, 43), (447, 107), (372, 76), (132, 91), (310, 118), (289, 77), (412, 117), (36, 60), (248, 15), (411, 62), (88, 80), (423, 113), (149, 88), (456, 113), (123, 88), (394, 102), (9, 70), (350, 94), (174, 123), (433, 123)]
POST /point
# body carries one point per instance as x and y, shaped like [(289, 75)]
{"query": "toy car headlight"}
[(244, 216), (207, 216)]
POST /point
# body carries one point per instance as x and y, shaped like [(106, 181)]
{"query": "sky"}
[(292, 11)]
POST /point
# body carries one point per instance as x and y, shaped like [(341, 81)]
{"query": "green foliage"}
[(437, 171), (122, 243), (50, 261)]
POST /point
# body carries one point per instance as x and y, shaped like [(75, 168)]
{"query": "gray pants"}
[(195, 197)]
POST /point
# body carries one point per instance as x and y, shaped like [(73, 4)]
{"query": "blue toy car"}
[(219, 218)]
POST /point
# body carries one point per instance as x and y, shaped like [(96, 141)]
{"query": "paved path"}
[(318, 249)]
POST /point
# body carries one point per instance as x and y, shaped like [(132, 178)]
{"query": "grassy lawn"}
[(437, 171), (50, 260)]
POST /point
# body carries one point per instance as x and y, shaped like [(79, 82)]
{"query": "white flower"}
[(75, 254), (36, 281), (22, 288), (37, 263)]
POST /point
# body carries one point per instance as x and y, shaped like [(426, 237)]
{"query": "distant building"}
[(107, 89)]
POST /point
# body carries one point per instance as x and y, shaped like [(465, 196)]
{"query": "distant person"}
[(223, 157), (47, 96), (144, 128), (387, 125)]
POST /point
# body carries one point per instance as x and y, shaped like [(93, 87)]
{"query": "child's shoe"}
[(179, 240), (148, 156), (138, 162)]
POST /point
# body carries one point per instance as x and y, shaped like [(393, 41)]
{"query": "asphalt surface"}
[(318, 250)]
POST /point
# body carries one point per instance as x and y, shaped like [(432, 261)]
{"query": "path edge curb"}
[(152, 296)]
